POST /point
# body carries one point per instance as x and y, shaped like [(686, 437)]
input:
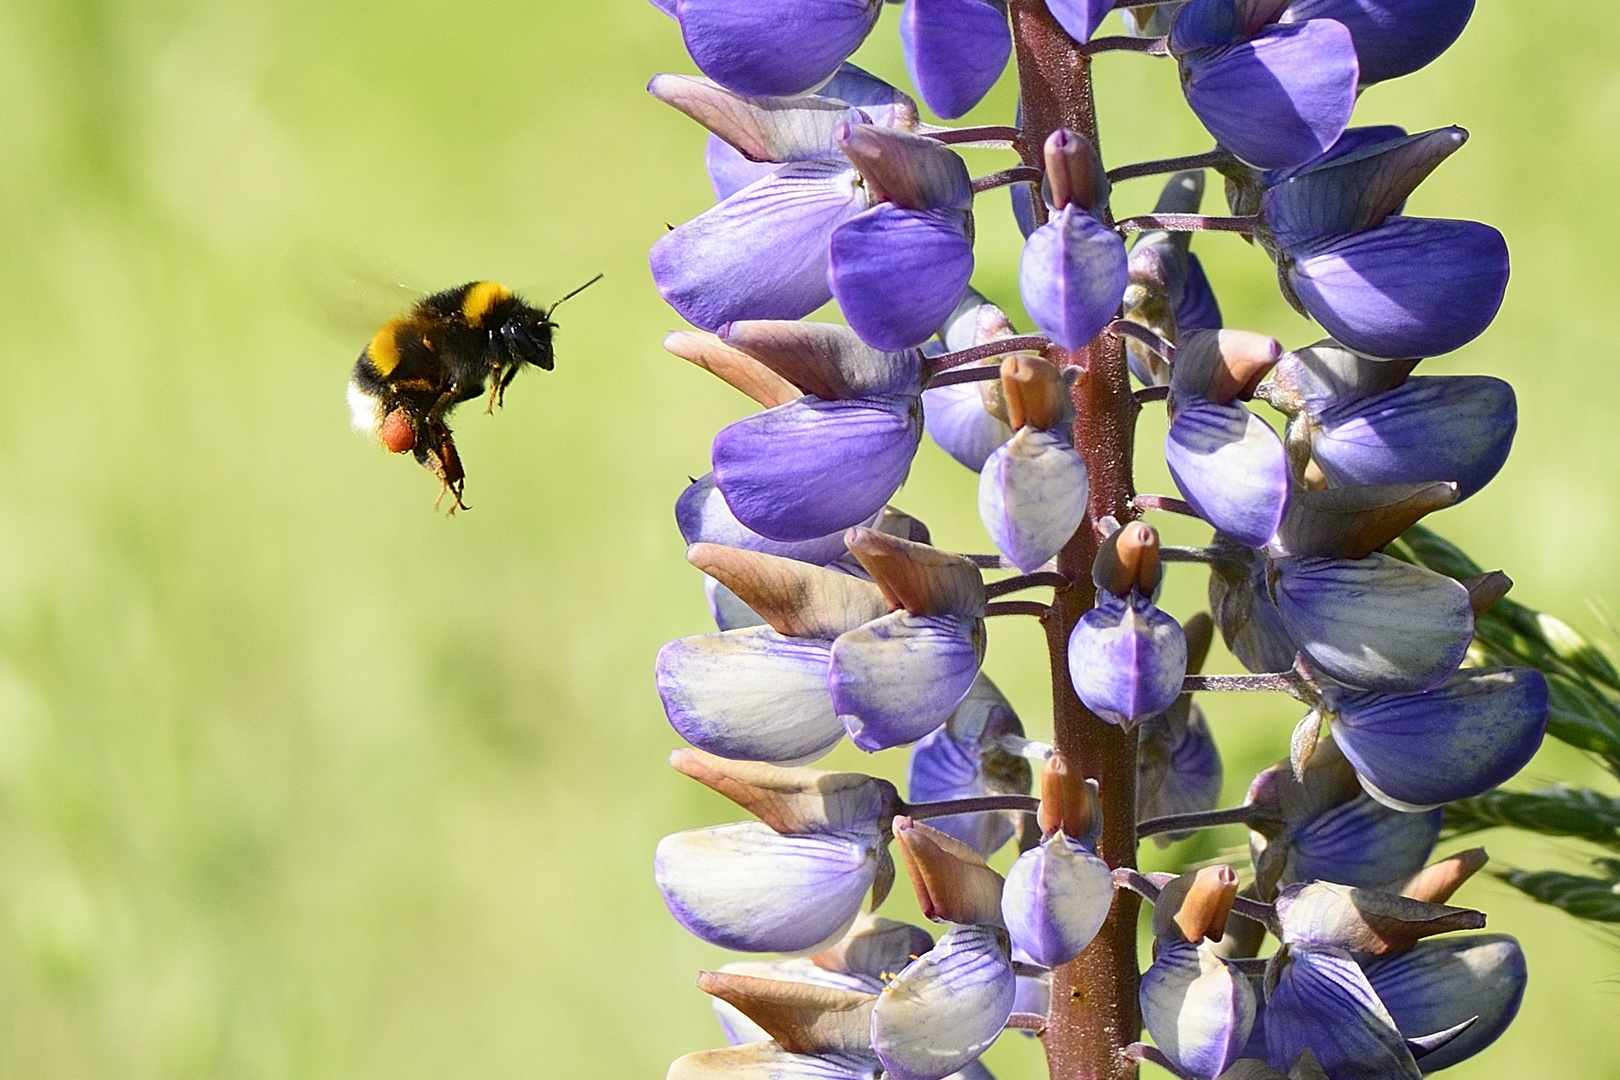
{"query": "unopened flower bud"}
[(952, 882), (1195, 905), (1068, 801), (1074, 173), (1129, 559), (1035, 392)]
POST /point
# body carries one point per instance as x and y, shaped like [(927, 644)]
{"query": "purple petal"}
[(1250, 624), (767, 48), (1323, 1003), (1080, 18), (1127, 658), (762, 253), (703, 517), (1279, 99), (1032, 496), (1461, 739), (1197, 1008), (957, 420), (896, 679), (1056, 898), (1450, 428), (750, 695), (1439, 983), (1023, 207), (1205, 24), (1198, 309), (748, 888), (810, 467), (1178, 767), (1230, 465), (898, 274), (1353, 188), (1393, 37), (766, 1060), (1362, 843), (946, 1007), (666, 6), (955, 51), (962, 760), (1376, 623), (729, 171), (1072, 275), (883, 104), (1411, 287), (727, 608)]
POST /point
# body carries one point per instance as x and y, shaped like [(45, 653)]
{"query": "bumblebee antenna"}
[(573, 294)]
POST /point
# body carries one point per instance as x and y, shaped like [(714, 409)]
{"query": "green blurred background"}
[(299, 778)]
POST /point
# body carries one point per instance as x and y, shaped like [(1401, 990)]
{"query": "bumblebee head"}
[(526, 336)]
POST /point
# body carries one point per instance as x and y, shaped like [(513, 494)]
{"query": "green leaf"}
[(1583, 718), (1597, 899), (1553, 811)]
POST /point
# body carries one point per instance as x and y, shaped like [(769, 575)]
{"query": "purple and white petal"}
[(898, 273), (767, 48), (750, 695), (739, 1029), (778, 129), (883, 104), (810, 468), (1127, 658), (1455, 428), (749, 888), (1376, 623), (1362, 843), (1278, 99), (1441, 982), (957, 420), (1072, 276), (899, 677), (1410, 287), (768, 1061), (955, 50), (703, 517), (1323, 1003), (1056, 898), (1230, 465), (729, 171), (1199, 1010), (963, 760), (727, 608), (1032, 496), (946, 1007), (1464, 737), (762, 253)]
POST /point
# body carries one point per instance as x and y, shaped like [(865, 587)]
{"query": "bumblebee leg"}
[(498, 392)]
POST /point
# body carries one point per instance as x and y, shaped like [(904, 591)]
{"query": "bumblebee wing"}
[(339, 296)]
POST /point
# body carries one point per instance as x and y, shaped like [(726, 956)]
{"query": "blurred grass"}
[(299, 779)]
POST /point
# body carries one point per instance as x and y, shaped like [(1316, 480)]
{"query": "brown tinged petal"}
[(733, 367), (1074, 172), (825, 359), (1436, 883), (793, 800), (1200, 631), (750, 1061), (952, 882), (1484, 590), (917, 577), (797, 599), (1362, 920), (1354, 522), (1034, 391), (802, 1017), (1068, 801), (1129, 558), (1195, 905), (1223, 366)]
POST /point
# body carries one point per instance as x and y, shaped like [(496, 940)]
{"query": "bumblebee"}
[(447, 349)]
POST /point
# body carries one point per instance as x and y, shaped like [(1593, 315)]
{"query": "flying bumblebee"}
[(447, 349)]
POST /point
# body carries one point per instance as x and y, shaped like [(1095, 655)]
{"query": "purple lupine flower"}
[(1321, 826), (1228, 463), (1073, 271), (955, 50), (1033, 487), (1369, 423), (964, 759), (1199, 1009), (1126, 657), (1392, 38), (1058, 893), (1178, 768), (1382, 284), (1274, 94), (1458, 740)]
